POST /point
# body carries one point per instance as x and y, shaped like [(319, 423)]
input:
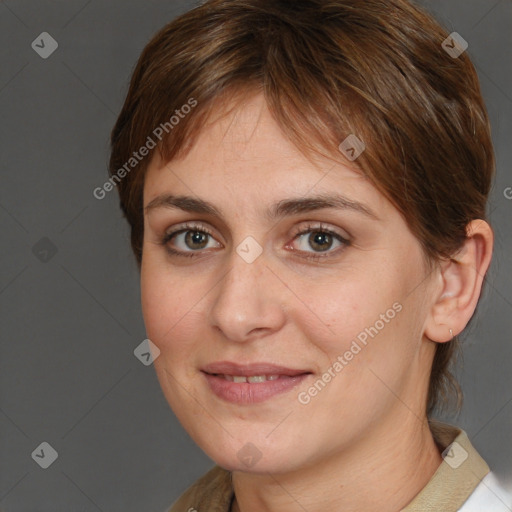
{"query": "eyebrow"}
[(283, 208)]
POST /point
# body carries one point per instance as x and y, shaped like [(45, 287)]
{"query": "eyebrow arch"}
[(283, 208)]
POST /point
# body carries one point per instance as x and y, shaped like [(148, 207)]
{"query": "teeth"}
[(251, 379), (257, 378)]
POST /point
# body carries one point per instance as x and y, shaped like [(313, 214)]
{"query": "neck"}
[(382, 473)]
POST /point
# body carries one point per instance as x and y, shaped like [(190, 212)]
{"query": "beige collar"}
[(455, 479), (457, 476)]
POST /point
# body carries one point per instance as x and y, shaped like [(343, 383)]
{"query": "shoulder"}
[(212, 492), (489, 496)]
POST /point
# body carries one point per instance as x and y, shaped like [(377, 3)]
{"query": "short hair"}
[(327, 69)]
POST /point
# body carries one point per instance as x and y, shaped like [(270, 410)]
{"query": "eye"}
[(320, 239), (192, 238)]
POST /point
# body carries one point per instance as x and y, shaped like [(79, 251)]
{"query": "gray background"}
[(71, 319)]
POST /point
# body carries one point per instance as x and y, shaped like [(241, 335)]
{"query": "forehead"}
[(243, 156)]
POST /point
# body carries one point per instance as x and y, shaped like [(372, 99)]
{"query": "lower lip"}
[(251, 393)]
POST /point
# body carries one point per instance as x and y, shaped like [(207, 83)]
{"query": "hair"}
[(327, 69)]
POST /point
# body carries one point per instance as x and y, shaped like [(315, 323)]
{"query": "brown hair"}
[(328, 69)]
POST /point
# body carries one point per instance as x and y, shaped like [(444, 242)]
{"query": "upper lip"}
[(247, 370)]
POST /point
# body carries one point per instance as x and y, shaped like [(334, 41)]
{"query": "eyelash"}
[(307, 229)]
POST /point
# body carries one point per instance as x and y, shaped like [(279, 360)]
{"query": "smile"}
[(252, 383)]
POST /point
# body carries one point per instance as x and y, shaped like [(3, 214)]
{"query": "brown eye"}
[(187, 241), (196, 239), (320, 239)]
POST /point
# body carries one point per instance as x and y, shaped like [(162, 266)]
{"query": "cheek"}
[(153, 302), (347, 307), (164, 302), (173, 316), (362, 330)]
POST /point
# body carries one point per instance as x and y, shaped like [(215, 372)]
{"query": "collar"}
[(456, 477)]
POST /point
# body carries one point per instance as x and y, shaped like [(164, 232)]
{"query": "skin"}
[(363, 442)]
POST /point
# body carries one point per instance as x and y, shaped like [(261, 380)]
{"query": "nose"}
[(249, 300)]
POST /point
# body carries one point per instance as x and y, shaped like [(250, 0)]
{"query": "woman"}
[(306, 183)]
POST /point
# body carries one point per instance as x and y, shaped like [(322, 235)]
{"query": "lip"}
[(249, 393)]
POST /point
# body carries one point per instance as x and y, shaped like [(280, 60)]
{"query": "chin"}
[(254, 454), (255, 466)]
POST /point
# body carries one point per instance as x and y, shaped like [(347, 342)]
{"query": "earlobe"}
[(461, 279)]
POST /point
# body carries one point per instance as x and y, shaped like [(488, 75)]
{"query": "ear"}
[(460, 283)]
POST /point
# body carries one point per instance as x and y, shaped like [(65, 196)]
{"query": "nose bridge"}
[(247, 297)]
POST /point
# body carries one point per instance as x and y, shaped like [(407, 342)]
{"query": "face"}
[(287, 328)]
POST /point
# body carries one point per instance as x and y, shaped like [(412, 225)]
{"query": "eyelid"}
[(319, 226), (187, 226)]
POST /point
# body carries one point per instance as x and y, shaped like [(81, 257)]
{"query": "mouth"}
[(252, 383)]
